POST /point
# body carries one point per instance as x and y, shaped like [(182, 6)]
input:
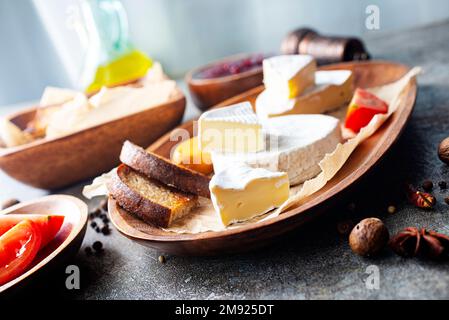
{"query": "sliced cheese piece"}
[(188, 154), (332, 89), (289, 75), (240, 192), (295, 144), (231, 129)]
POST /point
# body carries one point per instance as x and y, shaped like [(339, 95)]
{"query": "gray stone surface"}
[(314, 262)]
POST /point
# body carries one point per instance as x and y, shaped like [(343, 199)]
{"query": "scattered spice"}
[(345, 227), (98, 246), (443, 151), (412, 242), (105, 230), (162, 259), (427, 185), (369, 237), (420, 199), (93, 224), (105, 220), (9, 203), (391, 209), (97, 229), (442, 184)]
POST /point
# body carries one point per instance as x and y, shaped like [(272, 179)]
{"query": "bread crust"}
[(161, 169), (132, 201)]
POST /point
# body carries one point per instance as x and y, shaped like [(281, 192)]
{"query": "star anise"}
[(413, 242)]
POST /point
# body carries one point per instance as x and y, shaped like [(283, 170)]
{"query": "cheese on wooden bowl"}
[(240, 192)]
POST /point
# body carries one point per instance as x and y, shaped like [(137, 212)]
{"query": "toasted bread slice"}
[(148, 199), (165, 171)]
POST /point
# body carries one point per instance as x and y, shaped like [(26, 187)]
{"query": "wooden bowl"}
[(66, 243), (251, 236), (58, 162), (209, 92)]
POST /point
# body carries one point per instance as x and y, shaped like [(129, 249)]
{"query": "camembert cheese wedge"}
[(332, 90), (295, 144), (289, 75), (231, 129), (240, 192)]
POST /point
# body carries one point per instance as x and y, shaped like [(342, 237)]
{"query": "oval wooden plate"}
[(66, 243), (367, 74), (58, 162)]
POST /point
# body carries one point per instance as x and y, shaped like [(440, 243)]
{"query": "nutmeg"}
[(443, 151), (368, 237)]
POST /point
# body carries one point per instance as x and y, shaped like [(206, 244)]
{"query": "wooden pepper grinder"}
[(325, 49)]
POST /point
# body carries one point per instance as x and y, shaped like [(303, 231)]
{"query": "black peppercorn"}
[(97, 245), (442, 184), (97, 212), (93, 224), (105, 230)]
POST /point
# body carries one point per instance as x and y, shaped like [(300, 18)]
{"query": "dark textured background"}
[(314, 262)]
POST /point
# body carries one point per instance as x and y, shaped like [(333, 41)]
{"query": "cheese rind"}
[(231, 129), (236, 192), (289, 75), (295, 144), (332, 90)]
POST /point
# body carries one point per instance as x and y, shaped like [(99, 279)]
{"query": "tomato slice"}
[(363, 107), (18, 247), (48, 225)]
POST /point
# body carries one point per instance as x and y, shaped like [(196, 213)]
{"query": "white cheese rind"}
[(240, 112), (295, 144)]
